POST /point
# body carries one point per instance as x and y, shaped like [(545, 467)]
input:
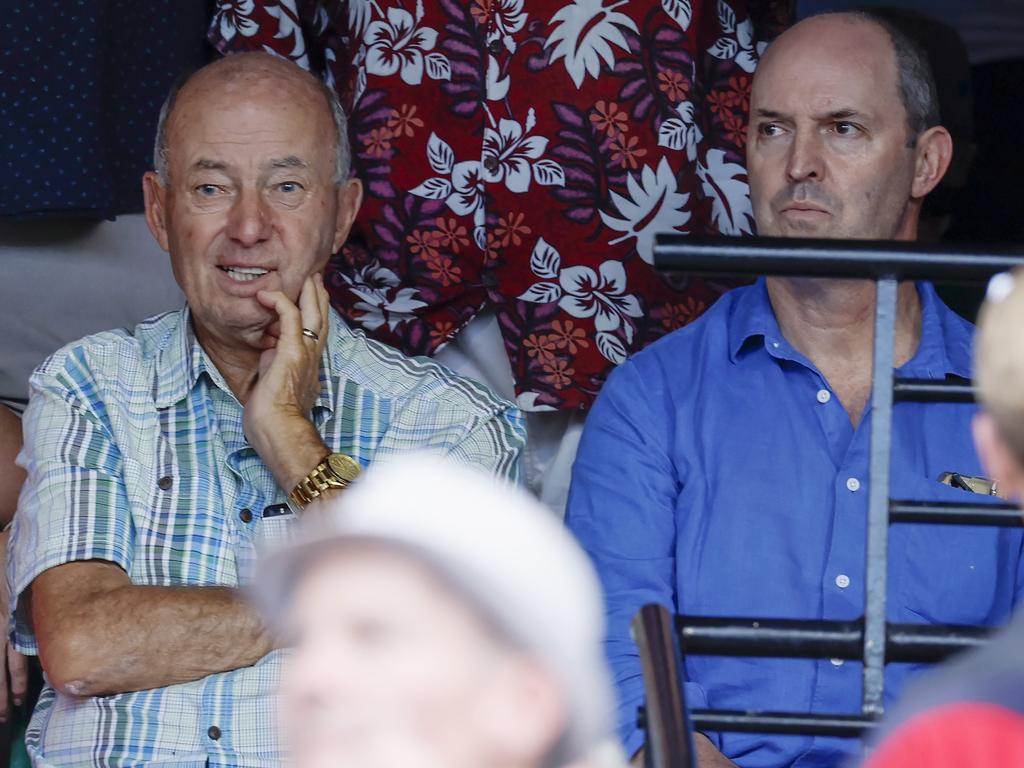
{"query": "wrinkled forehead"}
[(245, 108), (829, 63)]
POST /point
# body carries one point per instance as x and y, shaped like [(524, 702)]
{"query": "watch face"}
[(343, 466)]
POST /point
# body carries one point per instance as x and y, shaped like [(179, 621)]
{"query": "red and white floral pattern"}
[(525, 153)]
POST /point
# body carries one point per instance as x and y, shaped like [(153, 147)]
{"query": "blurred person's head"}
[(843, 140), (439, 620), (999, 377)]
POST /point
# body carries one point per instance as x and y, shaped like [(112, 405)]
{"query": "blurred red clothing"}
[(967, 735)]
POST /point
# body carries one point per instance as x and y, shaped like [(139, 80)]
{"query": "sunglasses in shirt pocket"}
[(969, 483)]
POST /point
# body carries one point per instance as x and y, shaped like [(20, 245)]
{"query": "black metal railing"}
[(871, 640)]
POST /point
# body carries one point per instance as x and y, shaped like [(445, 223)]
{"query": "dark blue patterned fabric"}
[(81, 84)]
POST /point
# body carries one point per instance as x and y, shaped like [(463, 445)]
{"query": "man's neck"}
[(831, 322), (238, 366)]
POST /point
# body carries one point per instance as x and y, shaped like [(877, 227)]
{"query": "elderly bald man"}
[(744, 493), (160, 458)]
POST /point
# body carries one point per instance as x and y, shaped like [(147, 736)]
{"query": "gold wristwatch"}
[(335, 470)]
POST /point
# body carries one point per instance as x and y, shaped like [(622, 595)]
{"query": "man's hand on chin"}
[(276, 417)]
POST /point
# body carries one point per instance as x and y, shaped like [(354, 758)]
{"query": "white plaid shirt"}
[(135, 455)]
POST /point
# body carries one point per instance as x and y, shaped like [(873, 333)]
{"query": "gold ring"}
[(311, 334)]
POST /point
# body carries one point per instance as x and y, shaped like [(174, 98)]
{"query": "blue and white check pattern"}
[(135, 455)]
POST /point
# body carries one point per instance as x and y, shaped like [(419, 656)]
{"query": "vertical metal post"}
[(878, 497), (666, 719)]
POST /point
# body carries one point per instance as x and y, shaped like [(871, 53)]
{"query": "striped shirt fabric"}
[(135, 455)]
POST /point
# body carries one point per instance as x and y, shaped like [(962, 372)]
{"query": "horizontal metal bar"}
[(931, 391), (952, 513), (932, 644), (783, 638), (851, 726), (828, 258), (794, 638)]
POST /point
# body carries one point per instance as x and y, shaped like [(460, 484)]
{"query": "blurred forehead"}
[(370, 568), (826, 64), (391, 580)]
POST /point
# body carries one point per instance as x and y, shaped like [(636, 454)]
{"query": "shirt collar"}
[(181, 362), (945, 347), (946, 340), (751, 316)]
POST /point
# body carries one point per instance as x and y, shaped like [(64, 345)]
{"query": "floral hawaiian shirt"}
[(523, 154)]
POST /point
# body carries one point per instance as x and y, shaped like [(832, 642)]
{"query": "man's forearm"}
[(131, 638)]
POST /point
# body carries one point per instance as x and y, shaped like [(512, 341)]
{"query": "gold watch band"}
[(324, 476)]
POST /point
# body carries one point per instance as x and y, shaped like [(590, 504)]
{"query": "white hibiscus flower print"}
[(234, 17), (512, 156), (399, 44), (380, 301)]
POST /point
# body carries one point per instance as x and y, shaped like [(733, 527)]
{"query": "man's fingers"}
[(289, 321), (309, 306), (324, 300), (17, 668)]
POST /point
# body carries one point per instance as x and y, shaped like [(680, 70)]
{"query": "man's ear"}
[(154, 195), (350, 197), (997, 459), (934, 152)]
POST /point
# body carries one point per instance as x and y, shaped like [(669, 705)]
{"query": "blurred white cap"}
[(506, 554)]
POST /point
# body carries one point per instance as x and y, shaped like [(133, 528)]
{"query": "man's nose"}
[(249, 219), (805, 161)]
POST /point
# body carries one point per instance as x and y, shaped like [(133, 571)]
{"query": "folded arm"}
[(99, 634)]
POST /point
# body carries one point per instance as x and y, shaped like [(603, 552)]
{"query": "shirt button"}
[(245, 515), (165, 483), (837, 662), (213, 732), (495, 47), (852, 484), (824, 396), (842, 581), (491, 163)]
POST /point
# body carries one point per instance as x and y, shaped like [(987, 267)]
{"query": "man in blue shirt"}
[(744, 493)]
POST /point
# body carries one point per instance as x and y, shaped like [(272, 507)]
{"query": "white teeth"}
[(244, 274)]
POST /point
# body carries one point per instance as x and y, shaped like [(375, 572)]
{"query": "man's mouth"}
[(244, 274), (804, 209)]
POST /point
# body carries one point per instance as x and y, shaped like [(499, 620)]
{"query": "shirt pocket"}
[(277, 527), (952, 574)]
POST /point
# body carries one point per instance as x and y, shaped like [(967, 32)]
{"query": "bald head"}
[(900, 65), (254, 73)]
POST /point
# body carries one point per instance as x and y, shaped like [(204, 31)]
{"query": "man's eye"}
[(843, 128), (769, 129), (208, 190), (289, 187)]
